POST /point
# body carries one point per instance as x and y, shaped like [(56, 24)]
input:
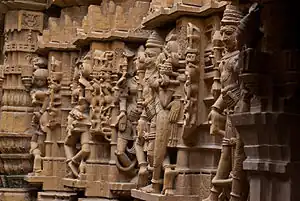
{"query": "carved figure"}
[(146, 127), (129, 113), (79, 123), (191, 81), (167, 111), (40, 100), (232, 154)]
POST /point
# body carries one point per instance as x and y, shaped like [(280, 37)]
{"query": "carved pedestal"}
[(55, 45), (17, 194), (271, 144), (63, 196)]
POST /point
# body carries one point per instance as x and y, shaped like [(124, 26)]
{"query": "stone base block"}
[(17, 194), (75, 183), (50, 196), (96, 199), (194, 184), (122, 189), (139, 195)]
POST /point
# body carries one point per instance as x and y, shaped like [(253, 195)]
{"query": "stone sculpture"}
[(40, 100), (229, 171), (131, 99), (146, 131), (79, 121), (127, 89)]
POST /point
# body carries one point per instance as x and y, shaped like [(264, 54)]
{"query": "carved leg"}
[(169, 176), (70, 145), (82, 154), (37, 164), (74, 168), (163, 131), (36, 152), (221, 178), (150, 152), (120, 152), (143, 171), (240, 187)]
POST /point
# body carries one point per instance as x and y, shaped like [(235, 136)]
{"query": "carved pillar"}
[(193, 152), (55, 44), (108, 30), (270, 131), (22, 28)]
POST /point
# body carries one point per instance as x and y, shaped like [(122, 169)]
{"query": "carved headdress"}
[(232, 15), (155, 41), (41, 74)]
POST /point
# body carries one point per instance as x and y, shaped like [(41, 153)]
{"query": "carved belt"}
[(149, 136), (151, 110), (231, 97)]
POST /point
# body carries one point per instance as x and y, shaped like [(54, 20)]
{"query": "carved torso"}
[(228, 69)]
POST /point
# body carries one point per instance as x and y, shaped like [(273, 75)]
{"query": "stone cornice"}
[(68, 3), (163, 16), (22, 4)]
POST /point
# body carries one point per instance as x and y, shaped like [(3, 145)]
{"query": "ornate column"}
[(192, 153), (270, 129), (21, 30), (55, 44), (108, 38)]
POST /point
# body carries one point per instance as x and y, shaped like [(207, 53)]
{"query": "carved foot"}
[(212, 197), (37, 165), (168, 192), (73, 168), (152, 188), (35, 173), (143, 176)]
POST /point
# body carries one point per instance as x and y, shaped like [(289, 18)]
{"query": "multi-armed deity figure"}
[(40, 99), (79, 122), (229, 171)]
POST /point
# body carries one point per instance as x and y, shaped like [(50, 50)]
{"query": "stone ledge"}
[(130, 36), (166, 15), (75, 183), (63, 3), (25, 4), (159, 197)]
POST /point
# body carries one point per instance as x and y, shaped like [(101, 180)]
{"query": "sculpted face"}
[(228, 33), (191, 57), (151, 55), (40, 82)]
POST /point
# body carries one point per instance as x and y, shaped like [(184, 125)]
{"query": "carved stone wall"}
[(148, 100)]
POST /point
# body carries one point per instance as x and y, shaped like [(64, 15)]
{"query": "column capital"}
[(23, 19)]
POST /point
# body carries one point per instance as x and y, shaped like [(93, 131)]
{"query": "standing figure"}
[(147, 123), (229, 172), (167, 111), (129, 113), (40, 100), (79, 123)]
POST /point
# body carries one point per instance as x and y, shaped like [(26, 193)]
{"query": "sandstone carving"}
[(229, 171), (149, 100)]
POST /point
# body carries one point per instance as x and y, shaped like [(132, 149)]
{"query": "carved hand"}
[(216, 89), (175, 111), (78, 115), (217, 123)]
